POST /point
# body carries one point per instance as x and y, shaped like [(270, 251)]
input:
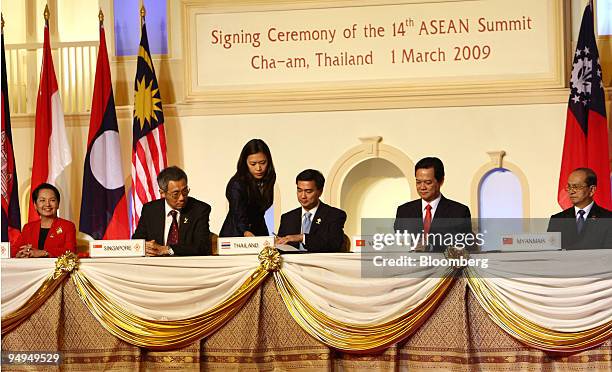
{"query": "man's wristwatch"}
[(170, 251)]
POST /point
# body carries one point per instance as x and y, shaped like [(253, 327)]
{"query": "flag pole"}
[(2, 16), (46, 14), (143, 12), (101, 18)]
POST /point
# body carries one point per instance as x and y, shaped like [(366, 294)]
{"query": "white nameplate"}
[(5, 250), (117, 248), (366, 243), (240, 245), (360, 242), (545, 241)]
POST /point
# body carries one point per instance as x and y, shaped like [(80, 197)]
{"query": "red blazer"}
[(61, 237)]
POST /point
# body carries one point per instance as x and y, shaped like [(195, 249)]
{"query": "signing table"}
[(529, 311)]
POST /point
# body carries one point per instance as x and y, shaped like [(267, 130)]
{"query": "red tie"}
[(427, 221), (173, 235)]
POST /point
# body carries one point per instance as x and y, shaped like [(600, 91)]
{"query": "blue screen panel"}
[(127, 26)]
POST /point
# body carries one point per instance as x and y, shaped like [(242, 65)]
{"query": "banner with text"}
[(469, 43)]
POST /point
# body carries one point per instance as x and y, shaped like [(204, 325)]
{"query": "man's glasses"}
[(175, 195), (569, 187)]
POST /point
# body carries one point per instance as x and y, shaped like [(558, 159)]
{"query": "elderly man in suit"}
[(432, 213), (585, 225), (176, 224), (314, 227)]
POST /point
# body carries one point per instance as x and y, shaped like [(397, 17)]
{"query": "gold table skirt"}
[(262, 336)]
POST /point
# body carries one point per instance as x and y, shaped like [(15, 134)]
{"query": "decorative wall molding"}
[(497, 160), (370, 148)]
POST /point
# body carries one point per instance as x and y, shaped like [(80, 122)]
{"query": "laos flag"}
[(104, 206)]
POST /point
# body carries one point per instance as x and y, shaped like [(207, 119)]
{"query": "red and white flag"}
[(51, 148)]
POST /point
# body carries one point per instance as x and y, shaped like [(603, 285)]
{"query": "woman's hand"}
[(39, 253), (25, 251), (248, 234)]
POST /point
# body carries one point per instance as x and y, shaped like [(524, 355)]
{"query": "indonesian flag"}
[(51, 149), (586, 128), (104, 213)]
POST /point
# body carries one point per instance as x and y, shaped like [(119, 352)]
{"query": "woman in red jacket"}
[(50, 236)]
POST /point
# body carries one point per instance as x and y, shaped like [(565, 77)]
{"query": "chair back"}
[(346, 244), (213, 244)]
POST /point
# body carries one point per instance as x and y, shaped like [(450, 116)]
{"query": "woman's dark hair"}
[(243, 175), (45, 186)]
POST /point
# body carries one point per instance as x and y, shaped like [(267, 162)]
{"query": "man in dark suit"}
[(175, 225), (314, 227), (433, 214), (585, 225)]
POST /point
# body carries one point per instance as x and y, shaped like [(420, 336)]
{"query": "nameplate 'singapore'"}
[(117, 248)]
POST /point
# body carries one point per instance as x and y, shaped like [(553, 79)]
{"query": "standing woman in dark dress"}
[(250, 192)]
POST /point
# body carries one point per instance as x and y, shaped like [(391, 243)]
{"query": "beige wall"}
[(207, 146)]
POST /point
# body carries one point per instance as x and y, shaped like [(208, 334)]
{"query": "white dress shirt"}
[(434, 205), (586, 210)]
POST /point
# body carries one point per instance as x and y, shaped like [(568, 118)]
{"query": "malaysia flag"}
[(148, 134), (51, 148), (586, 127), (103, 206)]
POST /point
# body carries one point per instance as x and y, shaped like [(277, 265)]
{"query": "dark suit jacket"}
[(60, 239), (326, 232), (245, 213), (597, 232), (450, 217), (194, 239)]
